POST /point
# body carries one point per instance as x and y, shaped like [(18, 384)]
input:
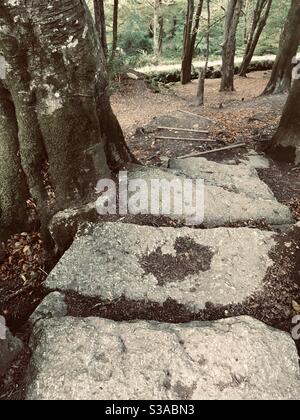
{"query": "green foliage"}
[(134, 36), (136, 30), (270, 37)]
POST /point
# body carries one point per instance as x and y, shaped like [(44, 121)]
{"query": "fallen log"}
[(197, 115), (184, 129), (213, 72), (184, 139), (221, 149)]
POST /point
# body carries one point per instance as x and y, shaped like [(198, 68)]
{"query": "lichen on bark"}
[(57, 82)]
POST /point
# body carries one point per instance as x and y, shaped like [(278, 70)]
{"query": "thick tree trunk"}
[(260, 17), (190, 36), (13, 187), (101, 25), (285, 145), (231, 23), (281, 76), (58, 84)]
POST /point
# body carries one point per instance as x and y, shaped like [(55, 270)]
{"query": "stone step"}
[(232, 193), (189, 266), (97, 359), (241, 178), (179, 119)]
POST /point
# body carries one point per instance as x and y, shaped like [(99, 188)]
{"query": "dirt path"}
[(135, 105), (240, 115)]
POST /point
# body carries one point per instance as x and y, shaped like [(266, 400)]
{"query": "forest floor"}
[(238, 116), (135, 105)]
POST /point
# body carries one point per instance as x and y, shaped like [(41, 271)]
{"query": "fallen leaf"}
[(296, 306)]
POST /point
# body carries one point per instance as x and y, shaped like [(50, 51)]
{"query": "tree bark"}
[(185, 68), (115, 30), (260, 17), (13, 187), (101, 25), (156, 27), (231, 23), (247, 11), (281, 76), (174, 27), (190, 36), (161, 35), (57, 81), (285, 145), (202, 73)]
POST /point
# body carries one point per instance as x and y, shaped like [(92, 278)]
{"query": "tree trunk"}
[(115, 30), (185, 67), (156, 27), (202, 73), (56, 78), (261, 14), (231, 23), (285, 145), (161, 35), (13, 187), (281, 76), (174, 27), (101, 25), (247, 11), (190, 36)]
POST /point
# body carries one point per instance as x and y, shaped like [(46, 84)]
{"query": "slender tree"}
[(115, 30), (174, 27), (233, 13), (54, 107), (202, 73), (246, 14), (260, 17), (101, 24), (155, 26), (158, 28), (161, 34), (189, 40), (281, 76), (285, 144)]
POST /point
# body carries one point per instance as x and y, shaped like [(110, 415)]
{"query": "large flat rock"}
[(97, 359), (241, 179), (179, 120), (191, 266), (232, 194)]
